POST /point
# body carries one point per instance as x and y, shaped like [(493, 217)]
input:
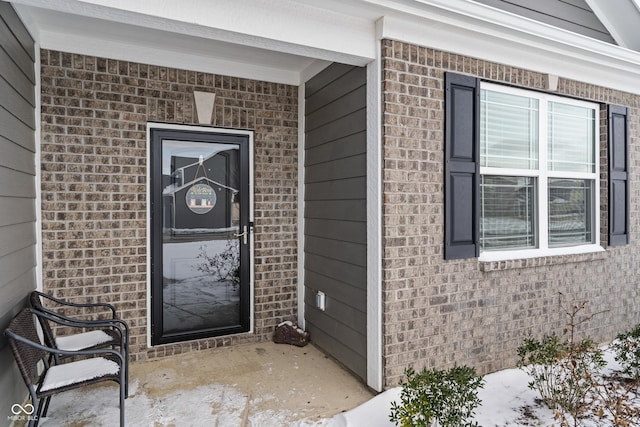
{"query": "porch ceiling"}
[(280, 41)]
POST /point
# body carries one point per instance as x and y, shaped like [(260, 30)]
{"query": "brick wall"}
[(94, 166), (435, 312), (439, 313)]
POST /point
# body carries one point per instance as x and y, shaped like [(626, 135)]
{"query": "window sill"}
[(498, 261)]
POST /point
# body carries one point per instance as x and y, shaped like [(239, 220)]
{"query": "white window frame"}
[(542, 175)]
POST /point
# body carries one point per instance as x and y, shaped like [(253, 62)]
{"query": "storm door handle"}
[(244, 235)]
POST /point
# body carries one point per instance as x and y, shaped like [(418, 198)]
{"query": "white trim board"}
[(301, 195), (277, 40), (374, 225), (38, 177), (508, 39), (620, 18)]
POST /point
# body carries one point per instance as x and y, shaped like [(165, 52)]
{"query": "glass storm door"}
[(200, 225)]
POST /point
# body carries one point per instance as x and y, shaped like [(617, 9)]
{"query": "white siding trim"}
[(38, 169), (307, 74), (620, 18), (466, 28), (374, 224), (301, 194)]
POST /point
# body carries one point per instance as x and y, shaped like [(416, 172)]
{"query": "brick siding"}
[(439, 313), (435, 312), (94, 172)]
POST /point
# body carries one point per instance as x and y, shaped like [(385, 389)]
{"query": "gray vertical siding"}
[(572, 15), (335, 213), (18, 191)]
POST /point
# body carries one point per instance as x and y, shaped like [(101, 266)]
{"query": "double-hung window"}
[(538, 174)]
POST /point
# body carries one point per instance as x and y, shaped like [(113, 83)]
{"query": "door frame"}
[(251, 259)]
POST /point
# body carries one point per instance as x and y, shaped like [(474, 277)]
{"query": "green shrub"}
[(446, 396), (627, 352), (564, 373)]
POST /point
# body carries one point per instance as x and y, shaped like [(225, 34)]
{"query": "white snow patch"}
[(290, 323), (506, 401), (82, 340), (75, 372), (373, 413), (210, 405), (504, 395)]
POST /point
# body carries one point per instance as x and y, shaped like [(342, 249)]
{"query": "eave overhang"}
[(288, 41)]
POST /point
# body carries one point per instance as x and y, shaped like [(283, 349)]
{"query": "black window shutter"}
[(462, 167), (618, 176)]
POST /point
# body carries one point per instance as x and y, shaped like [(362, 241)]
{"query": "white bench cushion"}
[(76, 372), (82, 340)]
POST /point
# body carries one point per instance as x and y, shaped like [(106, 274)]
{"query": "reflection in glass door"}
[(200, 225)]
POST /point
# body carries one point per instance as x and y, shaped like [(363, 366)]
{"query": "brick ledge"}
[(511, 264)]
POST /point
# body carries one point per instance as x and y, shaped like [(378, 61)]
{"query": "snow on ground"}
[(506, 401), (503, 396)]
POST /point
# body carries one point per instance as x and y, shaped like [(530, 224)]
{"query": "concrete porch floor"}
[(258, 385)]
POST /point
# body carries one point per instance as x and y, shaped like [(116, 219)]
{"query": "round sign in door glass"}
[(200, 198)]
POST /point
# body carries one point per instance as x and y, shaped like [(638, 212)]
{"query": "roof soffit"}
[(284, 40), (622, 20)]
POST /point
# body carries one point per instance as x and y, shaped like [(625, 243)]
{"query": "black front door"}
[(200, 242)]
